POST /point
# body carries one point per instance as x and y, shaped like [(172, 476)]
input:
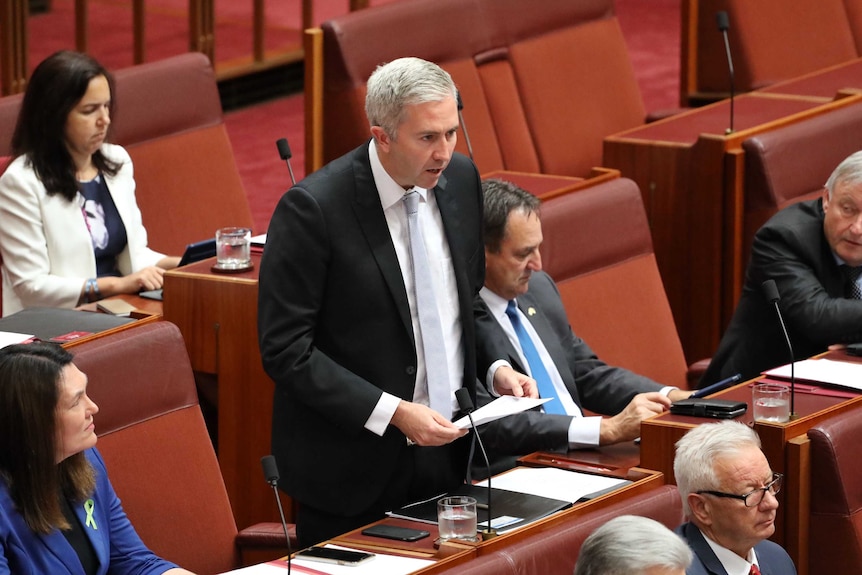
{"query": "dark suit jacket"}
[(335, 329), (592, 383), (792, 250), (771, 557), (115, 542)]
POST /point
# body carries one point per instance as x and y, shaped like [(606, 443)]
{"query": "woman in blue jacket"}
[(58, 511)]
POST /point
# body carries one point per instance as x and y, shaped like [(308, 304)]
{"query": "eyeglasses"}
[(752, 498)]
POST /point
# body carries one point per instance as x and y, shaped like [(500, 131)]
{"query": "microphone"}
[(770, 290), (464, 127), (286, 155), (270, 472), (723, 26), (466, 405)]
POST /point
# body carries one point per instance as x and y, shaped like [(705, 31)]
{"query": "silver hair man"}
[(848, 172), (633, 545), (400, 83)]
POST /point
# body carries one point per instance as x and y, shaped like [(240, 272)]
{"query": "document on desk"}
[(500, 407), (841, 373), (555, 483), (381, 564), (11, 338)]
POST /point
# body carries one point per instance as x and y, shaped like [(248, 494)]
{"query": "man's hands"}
[(626, 425), (424, 426), (507, 381)]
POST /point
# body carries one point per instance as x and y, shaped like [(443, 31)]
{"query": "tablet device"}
[(194, 253)]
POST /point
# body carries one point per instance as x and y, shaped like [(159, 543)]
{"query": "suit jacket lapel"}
[(369, 214), (59, 547), (702, 549), (529, 306)]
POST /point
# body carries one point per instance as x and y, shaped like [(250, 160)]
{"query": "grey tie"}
[(436, 367)]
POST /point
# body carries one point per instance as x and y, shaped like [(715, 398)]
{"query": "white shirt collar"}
[(496, 304), (390, 191), (732, 563)]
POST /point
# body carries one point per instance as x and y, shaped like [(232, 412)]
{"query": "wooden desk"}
[(643, 481), (217, 315), (691, 176), (659, 435)]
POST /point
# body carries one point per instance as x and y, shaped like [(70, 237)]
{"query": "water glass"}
[(771, 402), (233, 248), (456, 518)]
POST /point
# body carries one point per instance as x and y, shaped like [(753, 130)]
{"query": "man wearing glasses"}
[(728, 495)]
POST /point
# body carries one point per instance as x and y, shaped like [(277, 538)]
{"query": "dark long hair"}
[(57, 85), (30, 377)]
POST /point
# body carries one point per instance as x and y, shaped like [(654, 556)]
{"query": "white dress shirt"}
[(445, 287)]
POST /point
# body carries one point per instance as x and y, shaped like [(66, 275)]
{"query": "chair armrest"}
[(695, 372), (656, 115), (263, 542)]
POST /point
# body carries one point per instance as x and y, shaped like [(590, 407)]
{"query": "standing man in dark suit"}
[(515, 285), (728, 495), (362, 414), (813, 251)]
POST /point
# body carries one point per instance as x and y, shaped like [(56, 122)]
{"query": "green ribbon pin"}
[(89, 505)]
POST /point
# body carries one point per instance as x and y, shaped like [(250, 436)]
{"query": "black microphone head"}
[(270, 469), (283, 149), (459, 100), (464, 401), (770, 291), (722, 20)]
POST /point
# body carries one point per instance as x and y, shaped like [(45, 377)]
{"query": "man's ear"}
[(700, 508), (381, 138)]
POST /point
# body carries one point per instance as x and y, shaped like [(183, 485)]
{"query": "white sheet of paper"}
[(552, 482), (382, 564), (258, 240), (10, 338), (844, 373), (500, 407)]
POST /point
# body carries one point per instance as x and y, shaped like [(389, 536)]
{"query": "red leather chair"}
[(597, 247), (542, 85), (158, 453), (835, 542)]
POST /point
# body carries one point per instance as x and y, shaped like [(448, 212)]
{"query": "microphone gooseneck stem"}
[(283, 524), (488, 529), (792, 361), (730, 70)]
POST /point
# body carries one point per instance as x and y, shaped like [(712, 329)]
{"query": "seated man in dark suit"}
[(813, 251), (516, 291), (728, 495)]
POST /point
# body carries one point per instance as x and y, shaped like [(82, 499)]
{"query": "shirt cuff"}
[(584, 432), (665, 391), (380, 418), (489, 378)]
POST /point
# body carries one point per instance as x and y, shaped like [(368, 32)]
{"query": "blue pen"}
[(709, 389)]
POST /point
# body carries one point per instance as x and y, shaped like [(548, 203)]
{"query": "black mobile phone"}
[(854, 349), (337, 556), (705, 407), (395, 532)]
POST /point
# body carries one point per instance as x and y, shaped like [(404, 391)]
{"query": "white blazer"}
[(44, 242)]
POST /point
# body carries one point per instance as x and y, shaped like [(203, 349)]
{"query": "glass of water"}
[(771, 402), (233, 248), (456, 518)]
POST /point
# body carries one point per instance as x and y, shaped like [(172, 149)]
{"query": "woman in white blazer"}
[(70, 228)]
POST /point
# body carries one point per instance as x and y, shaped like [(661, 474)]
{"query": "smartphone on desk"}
[(332, 555), (395, 532)]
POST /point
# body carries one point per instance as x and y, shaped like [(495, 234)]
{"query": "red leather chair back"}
[(836, 495), (597, 247), (156, 447), (541, 87)]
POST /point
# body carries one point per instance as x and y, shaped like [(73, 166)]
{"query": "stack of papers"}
[(500, 407), (841, 373), (381, 564)]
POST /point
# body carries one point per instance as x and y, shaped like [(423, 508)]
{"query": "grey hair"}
[(629, 545), (696, 452), (404, 82), (849, 171)]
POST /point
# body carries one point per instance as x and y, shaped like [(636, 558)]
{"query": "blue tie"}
[(537, 368)]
